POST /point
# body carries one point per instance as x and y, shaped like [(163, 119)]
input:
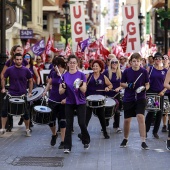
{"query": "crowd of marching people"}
[(135, 85)]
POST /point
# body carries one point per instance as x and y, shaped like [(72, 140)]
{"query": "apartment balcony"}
[(158, 3)]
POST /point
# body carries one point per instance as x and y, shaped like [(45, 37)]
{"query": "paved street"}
[(104, 154)]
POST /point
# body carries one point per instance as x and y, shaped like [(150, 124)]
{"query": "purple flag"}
[(39, 47), (84, 44)]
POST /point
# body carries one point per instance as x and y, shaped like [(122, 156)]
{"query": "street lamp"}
[(66, 9), (140, 17)]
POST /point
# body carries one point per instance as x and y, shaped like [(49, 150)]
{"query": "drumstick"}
[(115, 95), (55, 101), (104, 90), (59, 73), (138, 78)]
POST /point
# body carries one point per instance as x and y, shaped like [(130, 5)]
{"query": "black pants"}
[(81, 115), (149, 117), (100, 113)]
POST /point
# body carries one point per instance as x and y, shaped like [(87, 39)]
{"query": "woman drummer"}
[(97, 81), (74, 87), (56, 101), (156, 76), (114, 74)]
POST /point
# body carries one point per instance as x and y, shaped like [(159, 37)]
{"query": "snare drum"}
[(153, 102), (95, 101), (16, 107), (42, 115), (109, 107), (166, 106), (36, 94)]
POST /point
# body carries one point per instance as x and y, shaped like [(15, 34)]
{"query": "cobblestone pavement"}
[(104, 154)]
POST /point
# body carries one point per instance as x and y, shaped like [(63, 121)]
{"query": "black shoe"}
[(80, 136), (124, 143), (164, 129), (155, 135), (168, 145), (61, 146), (21, 121), (144, 146), (86, 146), (53, 139), (106, 136)]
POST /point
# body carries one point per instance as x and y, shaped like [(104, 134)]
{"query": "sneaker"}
[(155, 135), (21, 121), (86, 146), (144, 146), (118, 130), (66, 151), (2, 131), (28, 133), (124, 143), (61, 146), (80, 136), (53, 139), (168, 145), (164, 129)]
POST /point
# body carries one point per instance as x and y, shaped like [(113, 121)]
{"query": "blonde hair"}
[(118, 71), (111, 55)]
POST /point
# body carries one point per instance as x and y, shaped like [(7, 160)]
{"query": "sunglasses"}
[(114, 62), (166, 59), (158, 58), (108, 59), (38, 59)]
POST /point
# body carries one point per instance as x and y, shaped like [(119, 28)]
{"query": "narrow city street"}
[(103, 154)]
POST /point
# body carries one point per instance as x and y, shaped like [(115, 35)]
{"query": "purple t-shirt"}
[(74, 96), (94, 85), (129, 76), (115, 82), (24, 63), (18, 78), (54, 93), (157, 78)]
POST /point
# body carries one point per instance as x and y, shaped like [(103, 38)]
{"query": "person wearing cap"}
[(156, 76)]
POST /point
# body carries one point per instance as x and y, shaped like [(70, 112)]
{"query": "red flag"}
[(94, 45), (55, 50), (68, 50), (124, 43), (27, 47), (48, 46), (103, 51), (150, 41), (101, 39), (78, 53)]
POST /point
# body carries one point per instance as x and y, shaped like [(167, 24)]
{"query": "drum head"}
[(110, 102), (36, 94), (95, 98), (16, 100), (42, 109)]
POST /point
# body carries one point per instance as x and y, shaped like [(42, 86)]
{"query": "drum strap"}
[(89, 79), (150, 71)]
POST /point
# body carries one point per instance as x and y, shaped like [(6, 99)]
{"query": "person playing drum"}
[(156, 76), (73, 84), (167, 85), (18, 77), (134, 103), (114, 74), (97, 81), (56, 101)]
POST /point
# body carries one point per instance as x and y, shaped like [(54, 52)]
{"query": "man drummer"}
[(18, 76), (133, 102)]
